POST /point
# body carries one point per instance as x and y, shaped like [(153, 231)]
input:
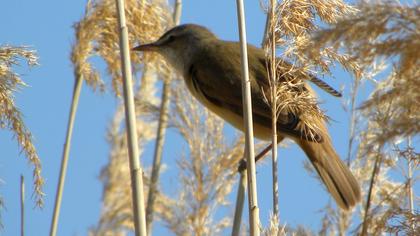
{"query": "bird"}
[(211, 69)]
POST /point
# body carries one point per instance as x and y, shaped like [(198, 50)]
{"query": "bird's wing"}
[(218, 81)]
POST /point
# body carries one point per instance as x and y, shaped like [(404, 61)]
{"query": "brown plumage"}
[(211, 69), (336, 176)]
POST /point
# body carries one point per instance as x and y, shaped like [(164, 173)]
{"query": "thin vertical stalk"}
[(375, 172), (352, 119), (130, 118), (410, 181), (22, 205), (63, 169), (160, 137), (273, 88), (410, 188), (249, 134), (240, 197)]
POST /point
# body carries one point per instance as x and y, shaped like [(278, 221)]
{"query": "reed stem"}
[(240, 197), (66, 151), (273, 88), (22, 205), (249, 134), (130, 117)]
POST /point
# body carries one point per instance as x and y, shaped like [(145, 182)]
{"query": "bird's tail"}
[(336, 176)]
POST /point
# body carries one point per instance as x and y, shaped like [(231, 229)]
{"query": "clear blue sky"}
[(47, 27)]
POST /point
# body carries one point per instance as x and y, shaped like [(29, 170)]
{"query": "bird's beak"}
[(146, 47)]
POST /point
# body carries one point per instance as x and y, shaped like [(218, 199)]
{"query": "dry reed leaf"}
[(10, 116)]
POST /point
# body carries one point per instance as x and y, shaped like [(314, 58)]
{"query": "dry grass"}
[(10, 116), (97, 35)]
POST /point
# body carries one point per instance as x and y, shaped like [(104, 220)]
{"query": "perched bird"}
[(212, 72)]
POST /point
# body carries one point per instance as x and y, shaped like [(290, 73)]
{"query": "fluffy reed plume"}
[(296, 26), (382, 39), (97, 35), (388, 31), (10, 116), (372, 167), (207, 172), (117, 215)]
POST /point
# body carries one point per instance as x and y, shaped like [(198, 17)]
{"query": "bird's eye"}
[(171, 38)]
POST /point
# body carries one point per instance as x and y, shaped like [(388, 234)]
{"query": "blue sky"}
[(47, 27)]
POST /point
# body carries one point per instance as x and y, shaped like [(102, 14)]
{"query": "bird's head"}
[(179, 44)]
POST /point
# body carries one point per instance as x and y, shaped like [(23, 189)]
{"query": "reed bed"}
[(373, 41)]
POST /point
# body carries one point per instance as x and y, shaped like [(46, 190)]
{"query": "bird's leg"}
[(242, 163)]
